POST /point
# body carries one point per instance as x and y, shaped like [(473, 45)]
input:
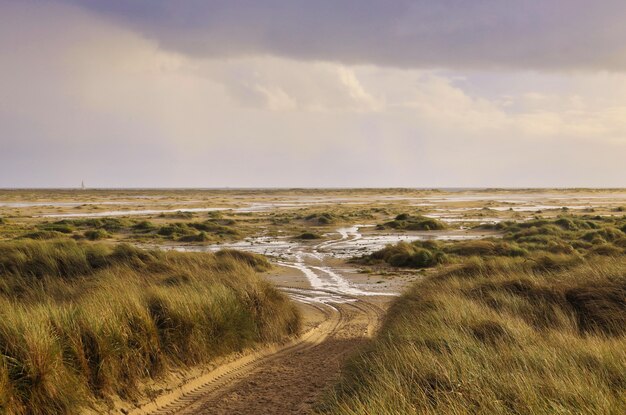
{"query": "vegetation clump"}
[(426, 254), (82, 322), (43, 235), (309, 236), (144, 226), (218, 227), (257, 262), (98, 228), (198, 237), (96, 234), (561, 236), (61, 227), (324, 218), (485, 247), (411, 255), (177, 215), (175, 230), (408, 222), (107, 224)]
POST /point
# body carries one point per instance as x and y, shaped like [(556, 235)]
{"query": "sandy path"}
[(284, 380), (291, 378)]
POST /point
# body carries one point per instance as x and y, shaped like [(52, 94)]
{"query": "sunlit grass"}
[(498, 336), (80, 322)]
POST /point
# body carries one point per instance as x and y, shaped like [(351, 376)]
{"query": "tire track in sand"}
[(287, 379), (294, 382), (277, 379)]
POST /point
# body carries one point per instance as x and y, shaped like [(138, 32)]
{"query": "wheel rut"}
[(286, 379), (289, 378)]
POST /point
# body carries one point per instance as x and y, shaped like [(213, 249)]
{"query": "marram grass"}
[(498, 336), (84, 322)]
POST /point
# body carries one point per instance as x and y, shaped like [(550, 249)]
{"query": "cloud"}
[(284, 84), (89, 97), (454, 34)]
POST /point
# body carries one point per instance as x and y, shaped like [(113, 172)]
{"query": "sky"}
[(326, 93)]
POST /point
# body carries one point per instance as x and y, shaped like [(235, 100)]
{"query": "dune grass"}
[(81, 323), (96, 234), (404, 254), (563, 235), (308, 236), (498, 336), (405, 221), (323, 218), (532, 322), (210, 230)]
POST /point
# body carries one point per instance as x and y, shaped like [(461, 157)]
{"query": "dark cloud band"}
[(530, 34)]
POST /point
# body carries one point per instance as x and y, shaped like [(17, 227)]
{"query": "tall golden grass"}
[(85, 322), (540, 335)]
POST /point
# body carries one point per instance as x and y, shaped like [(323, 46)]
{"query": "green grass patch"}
[(408, 222), (96, 234)]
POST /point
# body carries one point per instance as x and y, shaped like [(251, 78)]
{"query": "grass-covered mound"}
[(83, 322), (498, 336), (323, 218), (404, 254), (564, 235), (210, 230), (309, 236), (408, 222), (426, 254)]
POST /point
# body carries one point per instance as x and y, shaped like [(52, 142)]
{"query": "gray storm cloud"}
[(485, 34)]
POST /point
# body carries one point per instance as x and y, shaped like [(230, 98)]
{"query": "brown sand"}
[(286, 380)]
